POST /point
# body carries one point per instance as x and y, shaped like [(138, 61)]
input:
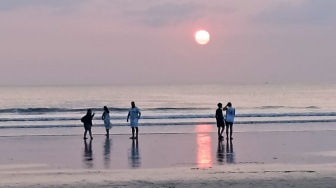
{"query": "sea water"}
[(170, 108)]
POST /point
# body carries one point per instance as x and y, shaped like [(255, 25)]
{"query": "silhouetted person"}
[(220, 152), (107, 122), (229, 118), (87, 120), (135, 154), (107, 152), (134, 115), (230, 156), (87, 158), (220, 120)]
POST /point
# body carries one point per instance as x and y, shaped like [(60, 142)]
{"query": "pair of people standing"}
[(133, 114), (87, 121), (227, 121)]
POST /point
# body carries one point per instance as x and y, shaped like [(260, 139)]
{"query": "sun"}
[(202, 37)]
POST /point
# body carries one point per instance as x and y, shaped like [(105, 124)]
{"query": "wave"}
[(51, 110), (304, 114), (83, 110), (192, 116), (35, 111), (171, 124), (270, 107), (291, 107)]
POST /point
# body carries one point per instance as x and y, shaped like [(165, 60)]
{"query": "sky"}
[(136, 42)]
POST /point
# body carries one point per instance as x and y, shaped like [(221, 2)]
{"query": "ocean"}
[(171, 108)]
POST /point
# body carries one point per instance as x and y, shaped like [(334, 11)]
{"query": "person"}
[(107, 122), (87, 120), (229, 118), (220, 120), (134, 115)]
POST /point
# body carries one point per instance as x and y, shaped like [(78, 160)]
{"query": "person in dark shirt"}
[(220, 120), (87, 120)]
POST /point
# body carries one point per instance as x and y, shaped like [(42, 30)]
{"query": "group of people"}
[(134, 114), (225, 121)]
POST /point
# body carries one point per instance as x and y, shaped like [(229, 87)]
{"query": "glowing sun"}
[(202, 37)]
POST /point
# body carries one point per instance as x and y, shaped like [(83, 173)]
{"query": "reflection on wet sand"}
[(87, 156), (204, 158), (204, 151), (134, 154), (107, 152), (230, 155), (220, 152)]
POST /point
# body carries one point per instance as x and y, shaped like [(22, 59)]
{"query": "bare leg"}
[(107, 133), (90, 134), (132, 133), (221, 133), (85, 134), (137, 132)]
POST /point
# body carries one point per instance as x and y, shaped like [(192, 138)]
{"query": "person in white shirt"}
[(107, 122), (134, 115), (229, 118)]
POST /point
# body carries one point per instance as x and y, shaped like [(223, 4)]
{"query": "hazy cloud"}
[(168, 13), (308, 12), (6, 5)]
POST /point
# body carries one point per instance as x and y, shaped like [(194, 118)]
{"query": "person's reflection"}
[(134, 156), (107, 152), (230, 156), (220, 152), (87, 157)]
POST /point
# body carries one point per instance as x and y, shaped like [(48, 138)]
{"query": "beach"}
[(252, 159), (279, 141), (79, 80)]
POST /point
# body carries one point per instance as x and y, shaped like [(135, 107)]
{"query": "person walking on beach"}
[(87, 120), (107, 122), (220, 120), (229, 118), (134, 115)]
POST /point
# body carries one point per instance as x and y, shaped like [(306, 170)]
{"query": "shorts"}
[(87, 127), (220, 124), (134, 123), (229, 123)]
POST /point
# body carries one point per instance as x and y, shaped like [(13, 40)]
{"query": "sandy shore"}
[(263, 159), (249, 175)]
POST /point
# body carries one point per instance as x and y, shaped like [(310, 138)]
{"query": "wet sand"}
[(252, 159)]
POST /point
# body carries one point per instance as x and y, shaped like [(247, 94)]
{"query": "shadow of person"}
[(134, 154), (87, 156), (220, 152), (107, 152), (230, 155)]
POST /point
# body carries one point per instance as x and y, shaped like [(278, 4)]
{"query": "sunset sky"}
[(85, 42)]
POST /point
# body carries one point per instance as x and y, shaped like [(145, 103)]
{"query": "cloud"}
[(313, 12), (7, 5), (168, 14)]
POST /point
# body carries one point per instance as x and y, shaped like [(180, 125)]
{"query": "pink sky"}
[(152, 42)]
